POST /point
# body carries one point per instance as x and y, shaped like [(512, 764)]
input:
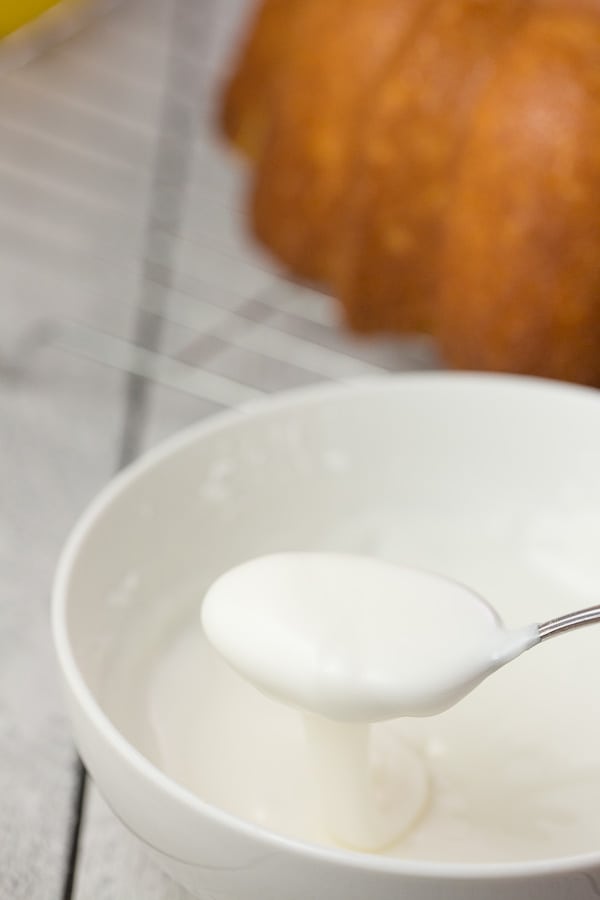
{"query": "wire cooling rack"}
[(123, 246), (208, 313)]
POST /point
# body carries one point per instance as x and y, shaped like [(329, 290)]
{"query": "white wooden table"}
[(117, 202)]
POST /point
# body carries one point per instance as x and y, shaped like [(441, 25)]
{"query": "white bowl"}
[(467, 466)]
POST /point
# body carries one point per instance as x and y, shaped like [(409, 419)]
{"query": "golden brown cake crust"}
[(303, 172), (387, 267), (521, 284)]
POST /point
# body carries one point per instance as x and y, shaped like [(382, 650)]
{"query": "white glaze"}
[(370, 793)]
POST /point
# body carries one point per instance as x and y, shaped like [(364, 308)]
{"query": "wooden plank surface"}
[(117, 202)]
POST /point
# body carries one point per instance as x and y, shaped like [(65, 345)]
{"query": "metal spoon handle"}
[(568, 622)]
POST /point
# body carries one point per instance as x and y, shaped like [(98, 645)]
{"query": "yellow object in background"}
[(15, 13)]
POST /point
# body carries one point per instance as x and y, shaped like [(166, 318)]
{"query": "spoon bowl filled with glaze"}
[(354, 638), (485, 481)]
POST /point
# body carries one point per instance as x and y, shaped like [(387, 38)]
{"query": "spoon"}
[(357, 639)]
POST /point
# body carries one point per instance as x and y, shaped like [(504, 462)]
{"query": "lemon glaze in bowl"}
[(459, 463)]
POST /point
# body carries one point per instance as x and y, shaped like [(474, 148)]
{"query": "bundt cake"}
[(436, 165)]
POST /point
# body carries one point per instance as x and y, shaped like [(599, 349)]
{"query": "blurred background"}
[(132, 303)]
